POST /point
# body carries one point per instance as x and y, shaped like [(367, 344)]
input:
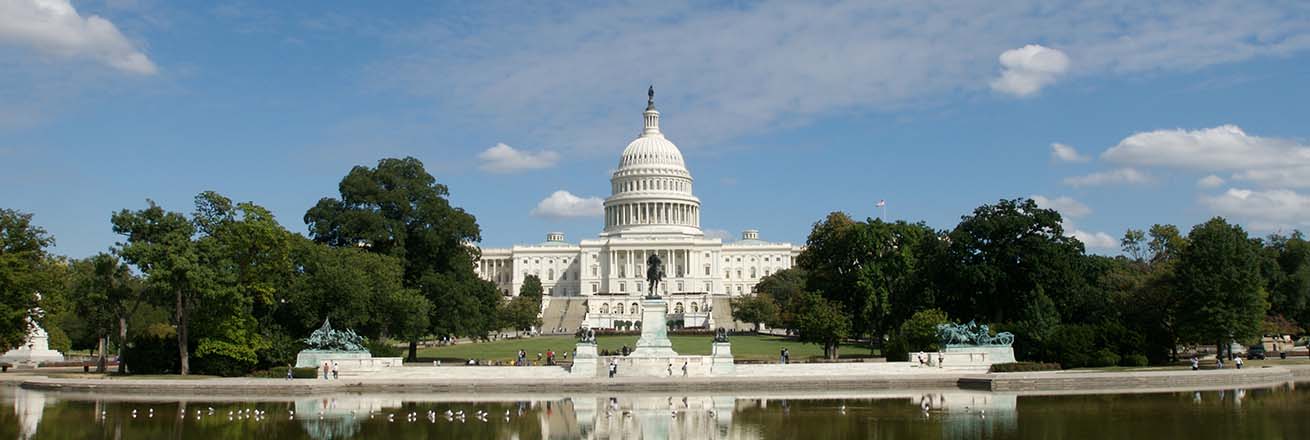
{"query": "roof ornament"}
[(650, 98)]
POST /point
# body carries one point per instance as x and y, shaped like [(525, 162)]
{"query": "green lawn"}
[(753, 347)]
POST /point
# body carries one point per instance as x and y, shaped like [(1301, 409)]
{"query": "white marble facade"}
[(651, 209)]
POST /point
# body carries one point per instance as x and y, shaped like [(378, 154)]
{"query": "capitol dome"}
[(651, 188)]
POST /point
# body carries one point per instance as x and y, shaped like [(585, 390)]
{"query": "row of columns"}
[(653, 213), (494, 269), (632, 264)]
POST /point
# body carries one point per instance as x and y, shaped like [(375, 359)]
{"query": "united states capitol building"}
[(652, 209)]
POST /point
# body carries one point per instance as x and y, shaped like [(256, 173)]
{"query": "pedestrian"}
[(670, 369), (1196, 363), (550, 357), (327, 369), (289, 369), (336, 370), (684, 368), (1219, 361), (782, 355), (940, 358), (1238, 362), (786, 355), (614, 368)]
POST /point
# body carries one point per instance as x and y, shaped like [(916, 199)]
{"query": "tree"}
[(398, 209), (784, 288), (1219, 285), (531, 289), (920, 331), (105, 295), (1166, 243), (1288, 278), (755, 308), (159, 244), (355, 289), (822, 321), (1133, 243), (522, 313), (23, 274)]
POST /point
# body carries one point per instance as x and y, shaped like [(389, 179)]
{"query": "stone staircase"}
[(722, 315), (563, 315)]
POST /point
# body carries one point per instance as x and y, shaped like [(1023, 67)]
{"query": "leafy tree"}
[(822, 321), (755, 309), (398, 209), (24, 272), (1288, 278), (106, 294), (353, 288), (920, 331), (1133, 243), (784, 288), (531, 289), (1166, 243), (1219, 285), (522, 313), (159, 244)]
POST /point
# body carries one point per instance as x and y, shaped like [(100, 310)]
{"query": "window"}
[(552, 291), (618, 308), (593, 270), (594, 287), (622, 287), (739, 289), (605, 307), (694, 308), (633, 309), (707, 270), (550, 275), (739, 273), (677, 307), (727, 274), (707, 287), (679, 286), (752, 272)]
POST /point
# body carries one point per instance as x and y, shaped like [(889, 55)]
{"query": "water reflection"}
[(1269, 412)]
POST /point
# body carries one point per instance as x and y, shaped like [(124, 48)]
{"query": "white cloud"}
[(55, 27), (1066, 153), (1067, 206), (1262, 210), (1211, 181), (1097, 240), (1226, 147), (741, 68), (503, 158), (1027, 69), (721, 234), (563, 204), (1126, 176)]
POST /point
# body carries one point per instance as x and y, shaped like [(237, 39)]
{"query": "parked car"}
[(1256, 351)]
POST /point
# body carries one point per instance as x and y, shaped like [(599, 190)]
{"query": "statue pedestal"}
[(315, 358), (35, 351), (972, 357), (722, 364), (654, 341), (586, 360)]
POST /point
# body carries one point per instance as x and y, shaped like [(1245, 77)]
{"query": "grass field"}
[(752, 347)]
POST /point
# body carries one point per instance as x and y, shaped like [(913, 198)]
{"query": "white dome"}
[(651, 190)]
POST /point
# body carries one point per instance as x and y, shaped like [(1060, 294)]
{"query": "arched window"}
[(550, 274), (707, 270), (633, 309), (694, 308), (752, 272), (739, 289), (618, 308), (605, 307), (677, 307)]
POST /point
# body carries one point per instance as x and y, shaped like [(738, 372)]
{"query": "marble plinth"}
[(654, 341)]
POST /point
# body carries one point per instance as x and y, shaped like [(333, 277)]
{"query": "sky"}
[(1119, 114)]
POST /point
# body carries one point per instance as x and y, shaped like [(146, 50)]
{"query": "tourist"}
[(550, 357), (336, 370), (289, 369), (327, 369), (940, 358), (786, 355), (670, 369), (625, 349), (684, 368), (782, 356), (1219, 361), (614, 367), (1196, 363), (1237, 360)]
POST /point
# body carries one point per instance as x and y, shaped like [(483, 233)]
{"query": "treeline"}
[(1012, 266), (227, 290)]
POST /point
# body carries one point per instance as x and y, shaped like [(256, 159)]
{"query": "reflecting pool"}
[(1275, 412)]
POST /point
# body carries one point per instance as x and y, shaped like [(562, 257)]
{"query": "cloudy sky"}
[(1117, 113)]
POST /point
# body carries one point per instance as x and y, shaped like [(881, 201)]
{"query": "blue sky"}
[(1166, 112)]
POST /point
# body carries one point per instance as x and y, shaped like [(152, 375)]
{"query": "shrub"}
[(154, 351), (383, 348), (1104, 358), (282, 350), (1133, 360), (223, 358), (298, 373), (1073, 345), (1015, 367)]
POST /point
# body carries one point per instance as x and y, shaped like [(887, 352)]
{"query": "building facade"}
[(652, 209)]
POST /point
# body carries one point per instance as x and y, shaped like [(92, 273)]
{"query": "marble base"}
[(721, 362), (972, 357), (654, 341), (658, 366), (315, 358), (586, 361)]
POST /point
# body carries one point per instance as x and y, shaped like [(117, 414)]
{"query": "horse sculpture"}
[(655, 274), (972, 334)]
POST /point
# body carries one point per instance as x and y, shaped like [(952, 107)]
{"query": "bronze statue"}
[(655, 274)]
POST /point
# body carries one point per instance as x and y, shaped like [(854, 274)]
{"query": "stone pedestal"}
[(586, 360), (315, 358), (35, 351), (654, 341), (968, 357), (721, 363)]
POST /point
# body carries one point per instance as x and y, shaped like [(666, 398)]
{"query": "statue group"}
[(954, 335), (328, 339)]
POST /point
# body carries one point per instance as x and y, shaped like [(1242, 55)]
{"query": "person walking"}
[(670, 369), (684, 368), (289, 370), (782, 355), (327, 369), (614, 368), (786, 355), (940, 359), (1196, 363), (336, 370), (1238, 362)]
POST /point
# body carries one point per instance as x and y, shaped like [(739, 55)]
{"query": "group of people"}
[(784, 356), (522, 360), (332, 368), (1219, 362), (925, 359)]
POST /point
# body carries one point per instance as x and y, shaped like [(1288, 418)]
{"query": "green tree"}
[(105, 295), (920, 331), (1288, 278), (784, 288), (159, 243), (522, 313), (24, 265), (1219, 285), (755, 308), (822, 321), (398, 209), (1166, 243), (531, 289), (1133, 244), (353, 288)]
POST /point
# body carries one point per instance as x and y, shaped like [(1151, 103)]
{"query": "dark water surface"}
[(1264, 413)]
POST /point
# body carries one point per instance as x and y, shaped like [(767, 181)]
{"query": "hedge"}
[(1014, 367), (298, 373)]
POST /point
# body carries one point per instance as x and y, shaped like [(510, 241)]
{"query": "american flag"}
[(882, 203)]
